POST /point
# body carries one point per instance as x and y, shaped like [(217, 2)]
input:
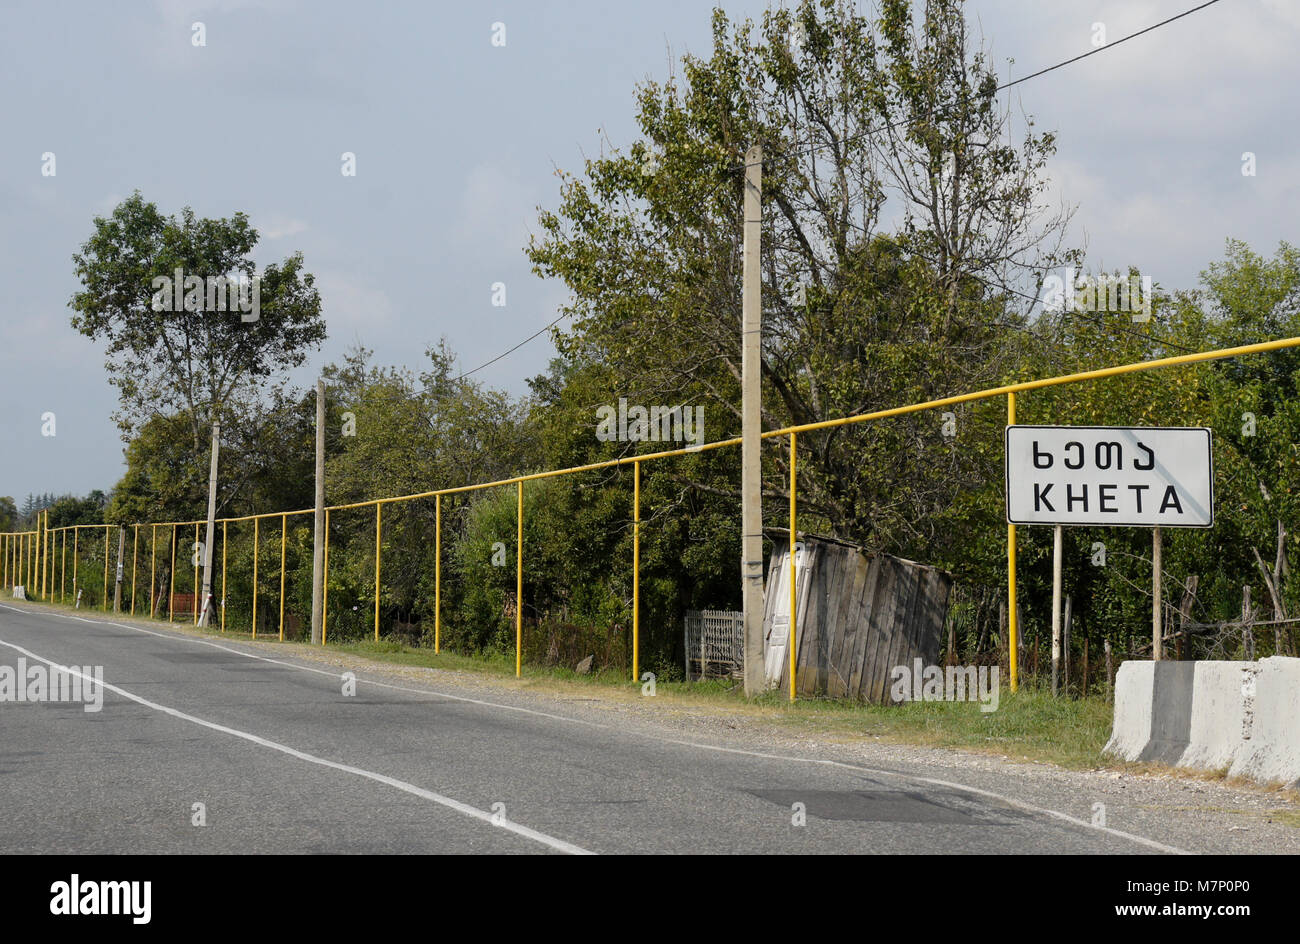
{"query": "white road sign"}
[(1110, 475)]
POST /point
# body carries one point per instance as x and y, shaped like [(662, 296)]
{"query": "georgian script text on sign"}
[(1110, 475)]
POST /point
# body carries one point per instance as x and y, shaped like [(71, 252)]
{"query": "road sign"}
[(1161, 477)]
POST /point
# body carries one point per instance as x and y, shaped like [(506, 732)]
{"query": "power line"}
[(1093, 52), (889, 126), (516, 347)]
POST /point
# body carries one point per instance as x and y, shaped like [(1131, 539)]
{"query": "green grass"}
[(1027, 725)]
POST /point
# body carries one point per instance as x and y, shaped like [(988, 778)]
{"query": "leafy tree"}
[(189, 362), (856, 316)]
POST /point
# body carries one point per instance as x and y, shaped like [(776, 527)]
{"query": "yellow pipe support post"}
[(4, 560), (636, 571), (76, 541), (197, 554), (378, 517), (437, 574), (519, 583), (223, 575), (135, 546), (1013, 662), (153, 568), (284, 536), (256, 540), (171, 589), (793, 638), (105, 568), (45, 555), (63, 564), (325, 583)]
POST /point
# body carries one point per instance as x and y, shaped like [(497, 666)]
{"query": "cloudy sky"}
[(456, 143)]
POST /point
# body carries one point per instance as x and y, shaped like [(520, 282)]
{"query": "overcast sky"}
[(456, 141)]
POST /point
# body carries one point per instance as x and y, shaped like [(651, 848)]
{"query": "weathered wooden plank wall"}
[(860, 615)]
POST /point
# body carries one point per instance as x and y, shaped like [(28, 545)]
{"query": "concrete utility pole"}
[(318, 547), (751, 428), (212, 526)]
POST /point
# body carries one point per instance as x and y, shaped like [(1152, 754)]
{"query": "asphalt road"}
[(284, 761)]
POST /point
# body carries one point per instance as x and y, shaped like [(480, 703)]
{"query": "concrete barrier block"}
[(1153, 711), (1269, 749), (1219, 702)]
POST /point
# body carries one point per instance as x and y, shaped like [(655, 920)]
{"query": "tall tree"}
[(188, 359), (897, 211)]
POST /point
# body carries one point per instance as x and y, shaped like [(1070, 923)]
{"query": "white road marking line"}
[(308, 668), (558, 844), (1020, 804), (1150, 843)]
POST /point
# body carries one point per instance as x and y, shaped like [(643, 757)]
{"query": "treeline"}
[(897, 268)]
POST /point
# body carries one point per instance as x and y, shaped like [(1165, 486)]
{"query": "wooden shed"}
[(860, 614)]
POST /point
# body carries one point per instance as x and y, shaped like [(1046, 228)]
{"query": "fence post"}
[(153, 567), (519, 580), (636, 571), (379, 508), (1012, 629), (194, 606), (325, 583), (437, 574), (171, 586), (284, 536), (257, 532), (135, 548), (793, 624), (105, 568)]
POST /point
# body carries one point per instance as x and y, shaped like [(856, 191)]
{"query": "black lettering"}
[(1074, 445), (1107, 452), (1103, 497), (1040, 456), (1171, 500), (1151, 459), (1040, 496), (1139, 489), (1071, 498)]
